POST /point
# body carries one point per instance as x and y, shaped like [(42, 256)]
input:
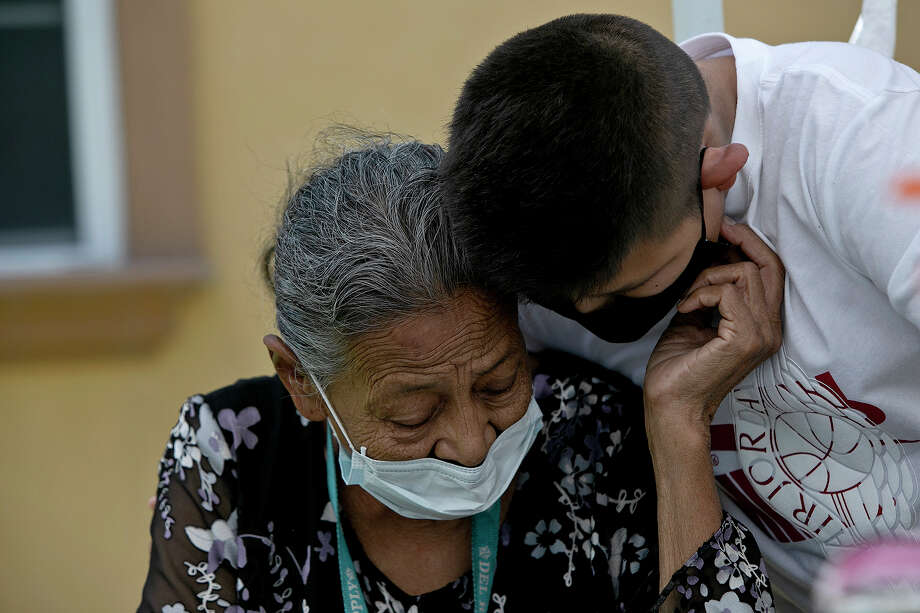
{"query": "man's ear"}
[(307, 400), (721, 165)]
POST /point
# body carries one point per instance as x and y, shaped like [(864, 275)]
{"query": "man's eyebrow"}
[(625, 288), (632, 286)]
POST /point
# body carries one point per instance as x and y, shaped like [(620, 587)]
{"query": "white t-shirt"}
[(819, 447)]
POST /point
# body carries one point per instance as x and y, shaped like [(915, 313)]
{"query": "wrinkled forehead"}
[(461, 337)]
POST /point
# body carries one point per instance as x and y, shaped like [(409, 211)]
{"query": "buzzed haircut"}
[(570, 142)]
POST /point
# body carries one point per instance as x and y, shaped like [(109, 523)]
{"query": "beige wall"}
[(80, 438)]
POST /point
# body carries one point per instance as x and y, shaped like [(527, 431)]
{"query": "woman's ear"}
[(308, 402)]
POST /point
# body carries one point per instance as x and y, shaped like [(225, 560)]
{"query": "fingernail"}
[(729, 221)]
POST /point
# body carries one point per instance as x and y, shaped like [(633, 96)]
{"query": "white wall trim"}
[(96, 135), (96, 128), (692, 17)]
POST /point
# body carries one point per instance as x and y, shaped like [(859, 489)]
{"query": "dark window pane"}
[(36, 194)]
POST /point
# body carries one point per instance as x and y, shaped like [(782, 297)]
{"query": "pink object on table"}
[(880, 577)]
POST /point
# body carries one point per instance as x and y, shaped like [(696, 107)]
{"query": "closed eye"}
[(498, 391), (413, 425), (502, 387)]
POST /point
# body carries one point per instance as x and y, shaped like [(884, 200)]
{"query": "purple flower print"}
[(540, 538), (576, 475), (221, 542), (597, 450), (542, 386), (239, 425), (616, 442), (206, 492), (325, 549), (211, 440), (729, 603), (592, 538), (303, 570)]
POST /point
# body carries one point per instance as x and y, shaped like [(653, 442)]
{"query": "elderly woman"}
[(408, 456)]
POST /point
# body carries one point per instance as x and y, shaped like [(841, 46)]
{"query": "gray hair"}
[(362, 244)]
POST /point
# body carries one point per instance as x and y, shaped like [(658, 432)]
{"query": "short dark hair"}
[(570, 142)]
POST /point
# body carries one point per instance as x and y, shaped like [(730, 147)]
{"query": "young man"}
[(577, 150)]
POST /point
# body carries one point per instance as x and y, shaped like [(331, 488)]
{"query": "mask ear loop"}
[(699, 191), (338, 422)]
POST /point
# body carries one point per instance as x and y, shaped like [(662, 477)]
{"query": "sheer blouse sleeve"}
[(727, 573), (195, 550)]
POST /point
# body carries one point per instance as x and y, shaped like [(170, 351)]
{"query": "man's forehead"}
[(650, 257)]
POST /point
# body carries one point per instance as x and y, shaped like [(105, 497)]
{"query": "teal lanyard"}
[(485, 548)]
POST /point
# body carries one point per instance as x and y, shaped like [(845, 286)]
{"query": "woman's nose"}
[(467, 437)]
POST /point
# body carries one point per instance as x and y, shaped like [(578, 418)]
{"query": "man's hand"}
[(695, 366), (691, 370)]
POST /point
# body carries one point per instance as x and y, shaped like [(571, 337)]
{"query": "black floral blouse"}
[(243, 523)]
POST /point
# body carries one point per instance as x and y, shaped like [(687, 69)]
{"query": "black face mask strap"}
[(699, 191)]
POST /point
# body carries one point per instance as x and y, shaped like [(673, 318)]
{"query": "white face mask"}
[(428, 488)]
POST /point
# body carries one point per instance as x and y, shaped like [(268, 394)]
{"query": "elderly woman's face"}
[(439, 384)]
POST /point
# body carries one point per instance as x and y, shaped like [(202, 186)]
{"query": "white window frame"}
[(96, 135), (693, 17)]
